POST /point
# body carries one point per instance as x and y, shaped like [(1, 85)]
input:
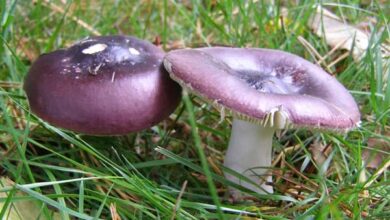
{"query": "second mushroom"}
[(265, 90), (107, 85)]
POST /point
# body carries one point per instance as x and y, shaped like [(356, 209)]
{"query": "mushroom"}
[(265, 90), (107, 85)]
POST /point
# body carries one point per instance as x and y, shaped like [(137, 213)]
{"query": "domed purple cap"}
[(253, 83), (102, 86)]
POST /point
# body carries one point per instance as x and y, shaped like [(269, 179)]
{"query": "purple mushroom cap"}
[(102, 86), (251, 83), (265, 90)]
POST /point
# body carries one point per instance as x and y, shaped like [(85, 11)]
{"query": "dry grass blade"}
[(60, 10), (183, 188), (374, 155), (114, 213), (314, 53), (378, 173), (12, 85)]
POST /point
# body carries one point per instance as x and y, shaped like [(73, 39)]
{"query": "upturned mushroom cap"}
[(256, 83), (102, 86)]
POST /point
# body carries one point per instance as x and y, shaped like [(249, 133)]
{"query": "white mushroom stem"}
[(250, 154)]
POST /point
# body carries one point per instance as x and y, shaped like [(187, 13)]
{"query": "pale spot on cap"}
[(96, 48), (134, 51)]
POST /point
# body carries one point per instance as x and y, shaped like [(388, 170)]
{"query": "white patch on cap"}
[(134, 51), (288, 79), (96, 48), (66, 59), (113, 77)]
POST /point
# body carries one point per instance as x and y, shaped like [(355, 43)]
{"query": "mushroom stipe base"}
[(249, 139)]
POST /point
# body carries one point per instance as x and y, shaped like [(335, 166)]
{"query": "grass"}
[(174, 169)]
